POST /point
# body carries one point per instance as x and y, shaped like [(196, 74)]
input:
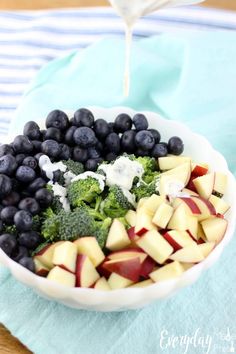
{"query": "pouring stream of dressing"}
[(131, 11)]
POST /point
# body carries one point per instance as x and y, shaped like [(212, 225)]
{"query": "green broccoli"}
[(144, 189), (10, 229), (116, 203), (101, 231), (50, 225), (75, 167), (84, 190), (56, 204)]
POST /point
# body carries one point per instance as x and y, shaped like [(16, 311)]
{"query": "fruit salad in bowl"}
[(110, 209)]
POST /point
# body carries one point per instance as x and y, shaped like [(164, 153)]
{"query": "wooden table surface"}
[(9, 344)]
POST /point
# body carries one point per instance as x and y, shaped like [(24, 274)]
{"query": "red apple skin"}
[(129, 269), (199, 171), (172, 242), (43, 250), (131, 249), (102, 271), (79, 264), (191, 185), (208, 204), (42, 272), (147, 267), (200, 241), (64, 267), (221, 216), (141, 231), (193, 206), (192, 237), (131, 233)]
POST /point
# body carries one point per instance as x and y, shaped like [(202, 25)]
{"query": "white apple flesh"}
[(142, 284), (204, 185), (62, 277), (117, 237), (169, 271), (219, 204), (65, 256), (188, 254), (162, 215), (102, 284), (116, 281), (89, 246), (86, 274), (40, 268), (214, 228), (172, 161), (220, 183), (178, 239), (45, 255), (131, 217)]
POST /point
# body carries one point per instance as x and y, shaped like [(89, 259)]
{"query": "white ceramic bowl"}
[(200, 150)]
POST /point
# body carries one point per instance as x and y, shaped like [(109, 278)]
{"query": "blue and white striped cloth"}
[(30, 39)]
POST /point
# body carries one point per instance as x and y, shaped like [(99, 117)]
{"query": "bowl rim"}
[(108, 297)]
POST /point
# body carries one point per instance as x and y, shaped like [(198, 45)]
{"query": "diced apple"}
[(151, 204), (89, 246), (117, 237), (144, 222), (172, 161), (199, 170), (214, 228), (188, 254), (180, 173), (86, 274), (193, 227), (131, 217), (219, 204), (65, 256), (128, 268), (163, 215), (116, 281), (220, 183), (169, 271), (140, 203), (62, 277), (142, 284), (204, 185), (190, 204), (206, 248), (147, 267), (200, 234), (45, 255), (187, 266), (189, 192), (178, 239), (207, 209), (191, 185), (102, 284), (155, 246), (40, 268), (179, 219), (128, 253)]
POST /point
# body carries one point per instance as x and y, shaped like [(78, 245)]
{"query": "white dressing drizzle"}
[(48, 167), (98, 177), (61, 192)]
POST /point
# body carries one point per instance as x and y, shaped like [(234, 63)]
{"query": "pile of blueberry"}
[(82, 138)]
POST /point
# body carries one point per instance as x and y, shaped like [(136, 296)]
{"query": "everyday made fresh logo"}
[(222, 341)]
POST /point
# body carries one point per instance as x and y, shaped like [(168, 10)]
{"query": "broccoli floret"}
[(101, 231), (116, 203), (75, 167), (143, 189), (84, 190), (149, 165), (10, 229), (56, 204)]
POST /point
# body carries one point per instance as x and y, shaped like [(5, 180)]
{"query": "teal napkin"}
[(191, 78)]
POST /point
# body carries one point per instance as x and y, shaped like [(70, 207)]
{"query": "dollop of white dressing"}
[(97, 176), (48, 167), (68, 176), (129, 196), (122, 172), (61, 192), (174, 190)]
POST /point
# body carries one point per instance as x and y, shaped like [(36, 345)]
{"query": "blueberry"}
[(83, 118), (43, 132), (159, 150), (112, 143), (128, 141), (141, 152), (37, 145), (5, 185), (144, 140), (22, 144), (30, 161), (19, 253), (111, 156), (111, 126), (65, 153), (156, 135), (44, 197), (25, 174), (93, 153), (57, 119), (140, 122), (8, 213), (84, 137), (8, 164), (99, 146), (1, 226), (92, 164), (20, 158), (50, 148), (15, 184), (11, 199), (175, 145), (54, 134), (38, 155), (23, 220), (31, 130), (29, 239), (101, 128), (6, 149), (30, 205), (80, 155), (8, 243), (28, 263), (122, 122), (68, 138), (37, 184)]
